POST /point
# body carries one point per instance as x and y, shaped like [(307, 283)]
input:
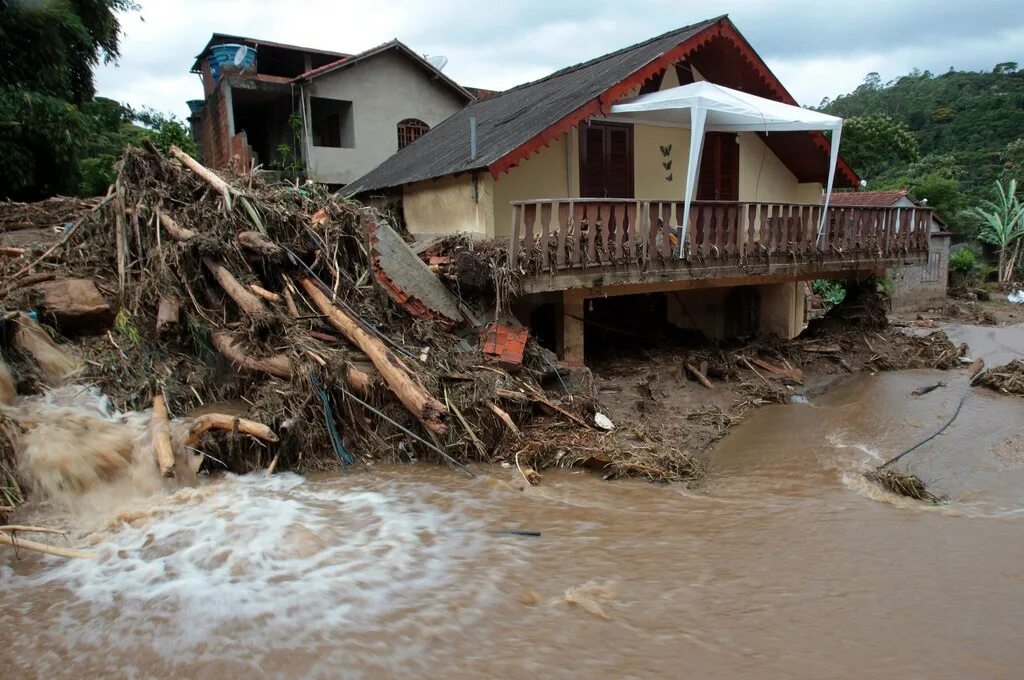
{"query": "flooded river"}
[(783, 564)]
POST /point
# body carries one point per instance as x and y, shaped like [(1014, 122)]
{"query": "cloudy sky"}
[(818, 48)]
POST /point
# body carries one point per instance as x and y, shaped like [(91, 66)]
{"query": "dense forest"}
[(947, 137), (56, 136)]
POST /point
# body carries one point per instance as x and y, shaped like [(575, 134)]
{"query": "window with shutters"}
[(409, 130), (719, 178)]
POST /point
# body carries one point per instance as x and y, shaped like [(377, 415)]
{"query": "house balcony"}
[(566, 244)]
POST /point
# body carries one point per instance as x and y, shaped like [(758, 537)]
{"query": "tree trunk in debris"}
[(220, 421), (248, 301), (174, 230), (278, 365), (413, 396), (161, 433), (207, 175), (258, 243)]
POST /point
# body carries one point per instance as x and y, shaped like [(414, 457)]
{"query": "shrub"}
[(831, 292)]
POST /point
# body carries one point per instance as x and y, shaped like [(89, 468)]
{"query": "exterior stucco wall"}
[(383, 90), (542, 175), (763, 177), (650, 177), (446, 206)]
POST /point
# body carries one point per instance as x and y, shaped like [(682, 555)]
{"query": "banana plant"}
[(1002, 225)]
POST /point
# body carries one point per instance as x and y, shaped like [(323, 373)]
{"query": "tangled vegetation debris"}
[(1008, 379), (260, 304)]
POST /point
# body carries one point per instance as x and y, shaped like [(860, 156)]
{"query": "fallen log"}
[(221, 421), (9, 251), (700, 377), (278, 365), (247, 301), (258, 243), (204, 173), (21, 544), (175, 230), (262, 292), (396, 375), (160, 430)]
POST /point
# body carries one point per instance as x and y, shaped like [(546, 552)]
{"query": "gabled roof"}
[(223, 38), (515, 123), (871, 199), (396, 45)]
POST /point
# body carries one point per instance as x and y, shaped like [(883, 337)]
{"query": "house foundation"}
[(720, 312)]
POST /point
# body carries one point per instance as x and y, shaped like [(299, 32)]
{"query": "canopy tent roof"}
[(704, 106), (728, 110)]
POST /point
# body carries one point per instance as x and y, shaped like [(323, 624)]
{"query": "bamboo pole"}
[(22, 544), (161, 433), (413, 396)]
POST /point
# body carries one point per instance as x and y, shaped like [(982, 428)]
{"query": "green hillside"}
[(948, 137)]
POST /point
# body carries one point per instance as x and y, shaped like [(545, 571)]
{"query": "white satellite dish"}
[(240, 56), (438, 62)]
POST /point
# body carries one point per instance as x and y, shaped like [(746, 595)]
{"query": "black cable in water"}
[(928, 439)]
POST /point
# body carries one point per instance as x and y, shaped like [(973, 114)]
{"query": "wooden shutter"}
[(606, 160), (719, 178)]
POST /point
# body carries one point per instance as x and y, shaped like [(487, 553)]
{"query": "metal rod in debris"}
[(408, 432)]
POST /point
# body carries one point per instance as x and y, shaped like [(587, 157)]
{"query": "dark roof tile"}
[(513, 117)]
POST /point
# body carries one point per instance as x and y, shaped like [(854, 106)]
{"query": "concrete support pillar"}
[(782, 309), (570, 327)]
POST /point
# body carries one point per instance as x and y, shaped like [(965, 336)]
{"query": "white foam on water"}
[(256, 559)]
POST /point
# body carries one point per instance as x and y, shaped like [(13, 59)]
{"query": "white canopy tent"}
[(704, 107)]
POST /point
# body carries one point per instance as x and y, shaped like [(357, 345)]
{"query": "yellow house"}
[(590, 205)]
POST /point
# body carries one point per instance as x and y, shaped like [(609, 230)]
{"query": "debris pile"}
[(1008, 379), (269, 310), (902, 484)]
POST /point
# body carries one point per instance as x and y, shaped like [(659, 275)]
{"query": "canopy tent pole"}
[(698, 117), (833, 160)]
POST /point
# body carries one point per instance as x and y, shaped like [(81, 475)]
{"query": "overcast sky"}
[(818, 48)]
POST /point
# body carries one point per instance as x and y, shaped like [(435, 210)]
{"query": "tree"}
[(873, 144), (48, 51), (1002, 225)]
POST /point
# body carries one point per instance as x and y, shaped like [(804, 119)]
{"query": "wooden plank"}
[(562, 215), (513, 244), (632, 211), (579, 215), (545, 236), (592, 229), (529, 216), (619, 213)]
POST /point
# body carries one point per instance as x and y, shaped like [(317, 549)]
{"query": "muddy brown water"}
[(784, 563)]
